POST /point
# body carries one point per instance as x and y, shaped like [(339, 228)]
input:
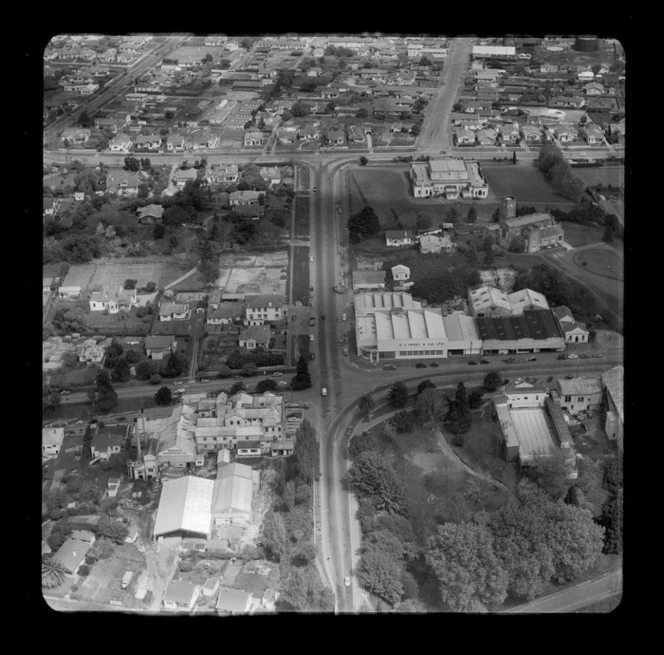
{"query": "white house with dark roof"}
[(400, 273), (397, 238), (266, 307), (120, 143), (150, 214), (52, 442), (174, 312), (254, 336), (159, 347)]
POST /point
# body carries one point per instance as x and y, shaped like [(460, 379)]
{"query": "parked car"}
[(204, 380), (277, 374), (434, 365), (572, 356), (315, 188), (598, 355), (562, 356), (472, 362), (177, 383), (420, 365), (65, 392), (323, 392), (347, 581), (532, 359), (585, 355), (569, 377), (389, 367), (349, 431), (484, 361)]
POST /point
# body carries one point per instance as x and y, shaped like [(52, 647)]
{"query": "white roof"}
[(52, 436), (524, 298), (579, 386), (185, 504), (532, 432), (367, 303), (409, 324), (486, 297), (613, 381), (233, 490)]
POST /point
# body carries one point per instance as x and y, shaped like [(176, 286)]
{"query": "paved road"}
[(574, 598)]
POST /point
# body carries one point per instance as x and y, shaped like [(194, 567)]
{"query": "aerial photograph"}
[(332, 323)]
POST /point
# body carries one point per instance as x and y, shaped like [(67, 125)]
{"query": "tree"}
[(458, 417), (608, 234), (371, 475), (492, 380), (463, 559), (266, 385), (158, 231), (423, 221), (489, 257), (112, 530), (131, 164), (472, 215), (362, 113), (304, 463), (121, 371), (163, 396), (496, 216), (551, 472), (517, 244), (363, 225), (514, 159), (150, 287), (361, 443), (107, 397), (475, 398), (425, 384), (398, 395), (249, 369), (84, 120), (274, 538), (300, 109), (452, 214), (380, 573), (53, 400), (175, 365), (429, 405), (363, 161), (237, 387), (53, 573), (366, 404)]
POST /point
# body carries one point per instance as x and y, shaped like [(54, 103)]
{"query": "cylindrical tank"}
[(586, 43)]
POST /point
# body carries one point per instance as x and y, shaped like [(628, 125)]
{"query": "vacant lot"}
[(300, 272), (525, 183), (126, 321), (264, 273), (613, 175)]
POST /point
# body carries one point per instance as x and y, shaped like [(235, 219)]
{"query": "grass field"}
[(525, 183), (614, 175), (300, 272), (604, 262), (579, 235), (602, 606), (301, 226)]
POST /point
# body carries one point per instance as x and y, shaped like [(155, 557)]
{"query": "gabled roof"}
[(185, 505), (72, 553)]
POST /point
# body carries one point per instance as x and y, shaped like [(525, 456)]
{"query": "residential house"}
[(224, 313), (531, 134), (396, 238), (182, 176), (159, 347), (509, 133), (585, 76), (336, 136), (74, 136), (566, 133), (106, 443), (150, 214), (181, 596), (594, 89), (123, 299), (91, 352), (214, 298), (233, 601), (254, 336), (263, 308), (175, 143), (223, 173), (49, 206), (52, 442), (613, 403), (462, 136), (122, 183), (247, 197), (107, 124), (174, 312), (120, 143), (573, 331), (368, 280), (356, 134), (72, 554), (269, 599), (150, 142), (270, 174), (201, 139), (400, 273), (252, 138), (430, 243), (579, 394), (486, 137), (308, 133), (593, 134), (210, 587)]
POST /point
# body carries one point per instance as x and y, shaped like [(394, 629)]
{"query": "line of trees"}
[(558, 172)]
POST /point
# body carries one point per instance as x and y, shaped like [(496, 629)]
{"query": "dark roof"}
[(534, 324)]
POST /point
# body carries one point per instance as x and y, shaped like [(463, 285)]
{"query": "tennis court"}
[(113, 276)]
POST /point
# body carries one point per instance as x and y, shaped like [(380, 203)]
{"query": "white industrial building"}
[(394, 326), (448, 177), (489, 301)]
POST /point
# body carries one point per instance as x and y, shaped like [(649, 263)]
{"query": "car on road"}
[(349, 431), (177, 383), (312, 356), (282, 383), (347, 581), (472, 362), (315, 188), (509, 360), (389, 367), (585, 355), (598, 355), (572, 356), (562, 356), (532, 359), (484, 361), (338, 210), (311, 258), (277, 374), (433, 364), (323, 392), (204, 380), (65, 392), (338, 319), (420, 365), (569, 377)]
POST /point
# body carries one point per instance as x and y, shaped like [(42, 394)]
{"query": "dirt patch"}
[(501, 278)]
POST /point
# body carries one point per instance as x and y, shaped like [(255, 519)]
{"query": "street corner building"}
[(448, 177)]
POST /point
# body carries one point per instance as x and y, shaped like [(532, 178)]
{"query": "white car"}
[(347, 581), (572, 356), (323, 392)]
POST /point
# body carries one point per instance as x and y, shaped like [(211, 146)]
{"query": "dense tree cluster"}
[(363, 225), (302, 379), (558, 172)]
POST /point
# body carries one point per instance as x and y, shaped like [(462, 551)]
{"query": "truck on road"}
[(126, 579)]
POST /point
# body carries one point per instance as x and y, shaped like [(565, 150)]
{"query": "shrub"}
[(84, 570), (185, 566)]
